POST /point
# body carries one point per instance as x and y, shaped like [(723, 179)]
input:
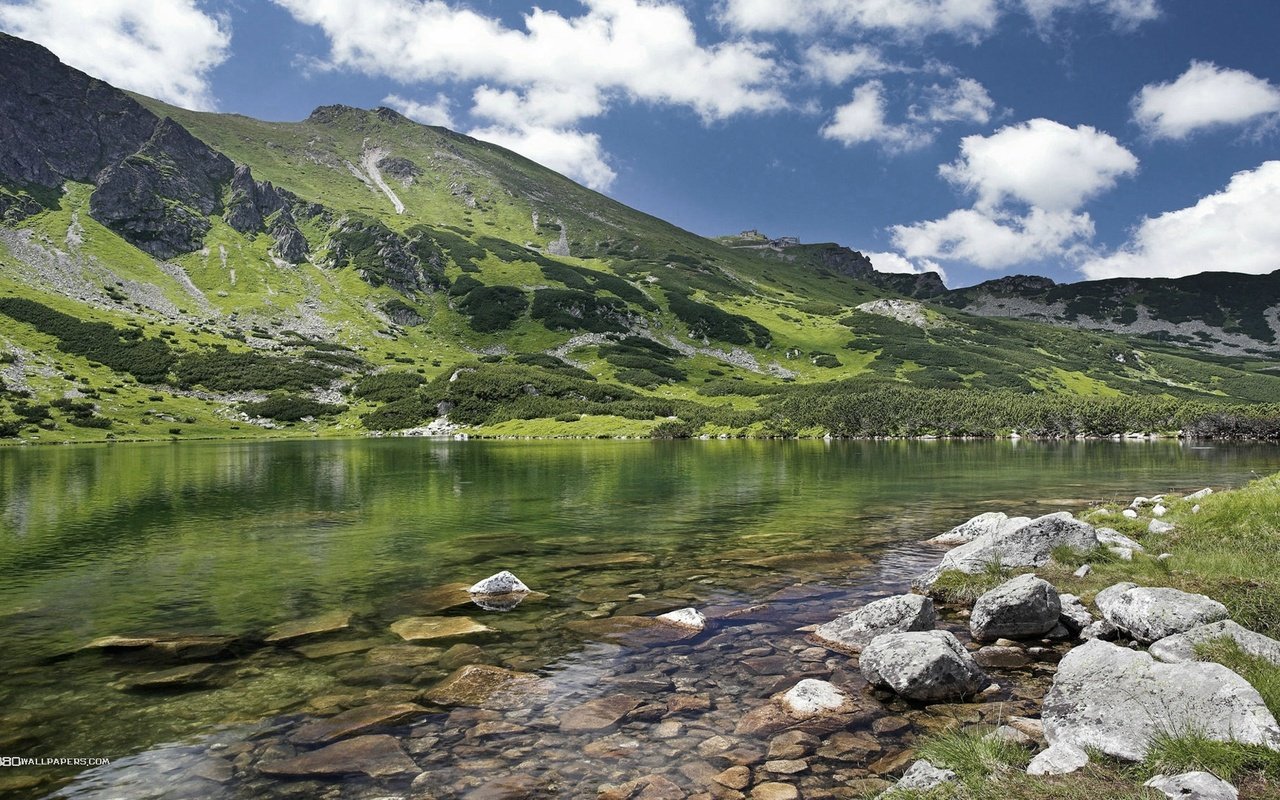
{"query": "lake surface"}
[(233, 539)]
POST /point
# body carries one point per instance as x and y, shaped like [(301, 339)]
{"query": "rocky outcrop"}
[(254, 206), (924, 666), (1031, 545), (1115, 699), (1182, 646), (853, 631), (1149, 615), (1023, 607)]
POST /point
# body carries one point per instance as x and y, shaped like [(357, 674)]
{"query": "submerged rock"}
[(853, 631), (632, 630), (168, 648), (356, 721), (1022, 607), (1182, 646), (600, 714), (1152, 614), (330, 622), (418, 629), (485, 686), (190, 676), (928, 665), (1114, 699), (375, 756)]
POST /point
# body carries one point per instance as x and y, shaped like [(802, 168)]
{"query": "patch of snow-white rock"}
[(1059, 759), (1115, 699), (898, 614), (811, 697)]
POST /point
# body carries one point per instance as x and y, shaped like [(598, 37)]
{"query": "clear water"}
[(234, 538)]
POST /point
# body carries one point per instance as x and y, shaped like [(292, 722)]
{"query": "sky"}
[(1078, 139)]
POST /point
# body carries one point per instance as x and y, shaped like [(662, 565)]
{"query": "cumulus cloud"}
[(1123, 13), (964, 101), (1232, 230), (434, 113), (1041, 163), (1204, 96), (161, 48), (905, 17), (837, 66), (570, 152), (895, 262), (862, 120), (994, 239)]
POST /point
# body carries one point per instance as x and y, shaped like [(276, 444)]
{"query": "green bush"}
[(714, 323), (386, 387), (573, 310), (284, 407), (123, 350), (493, 308), (226, 371)]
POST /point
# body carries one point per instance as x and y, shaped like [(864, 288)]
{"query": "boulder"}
[(920, 777), (1060, 759), (1074, 616), (810, 697), (1031, 545), (1129, 513), (1182, 646), (1159, 526), (1022, 607), (1114, 699), (502, 583), (899, 614), (685, 618), (925, 666), (1193, 786), (376, 756), (1114, 538), (1149, 615), (990, 522)]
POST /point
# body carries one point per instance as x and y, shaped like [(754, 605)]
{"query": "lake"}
[(226, 541)]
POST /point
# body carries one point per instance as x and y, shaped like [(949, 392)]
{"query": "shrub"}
[(223, 370), (123, 350), (290, 408), (493, 308)]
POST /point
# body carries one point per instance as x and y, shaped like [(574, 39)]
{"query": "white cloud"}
[(1124, 13), (569, 152), (895, 262), (647, 51), (1233, 230), (992, 239), (1041, 163), (837, 66), (862, 120), (906, 17), (436, 112), (964, 101), (1204, 96), (161, 48)]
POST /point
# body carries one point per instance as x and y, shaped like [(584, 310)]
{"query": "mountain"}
[(165, 272), (1220, 312)]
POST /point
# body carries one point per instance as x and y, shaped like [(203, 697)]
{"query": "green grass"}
[(1260, 673), (1175, 753)]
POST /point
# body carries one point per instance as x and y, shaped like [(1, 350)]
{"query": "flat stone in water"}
[(438, 598), (191, 676), (340, 648), (403, 655), (178, 648), (417, 629), (604, 560), (331, 622), (484, 686), (632, 630), (356, 721), (377, 756), (824, 561), (597, 715)]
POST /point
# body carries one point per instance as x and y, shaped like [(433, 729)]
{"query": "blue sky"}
[(1072, 138)]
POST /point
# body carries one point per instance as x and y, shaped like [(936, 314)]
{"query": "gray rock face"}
[(1060, 759), (1074, 617), (257, 205), (1114, 699), (1182, 646), (1031, 545), (990, 522), (1149, 615), (926, 665), (898, 614), (1193, 786), (1025, 606)]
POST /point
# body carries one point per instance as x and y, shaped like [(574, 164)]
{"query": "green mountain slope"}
[(172, 273)]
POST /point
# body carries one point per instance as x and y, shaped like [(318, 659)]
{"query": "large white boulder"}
[(1182, 646), (1115, 699), (898, 614), (1193, 786), (502, 583), (1060, 759), (1151, 614), (1022, 607), (924, 665), (990, 522), (1031, 545)]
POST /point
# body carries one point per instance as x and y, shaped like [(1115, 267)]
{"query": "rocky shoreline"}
[(776, 698)]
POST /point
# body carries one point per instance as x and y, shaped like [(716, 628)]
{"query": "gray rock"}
[(1114, 699), (502, 583), (990, 522), (926, 665), (853, 631), (1149, 614), (1101, 629), (1083, 571), (1060, 759), (1193, 786), (690, 618), (1022, 607), (1200, 495), (920, 777), (1031, 545), (1074, 616), (1159, 526), (1114, 538), (1011, 735), (1181, 647)]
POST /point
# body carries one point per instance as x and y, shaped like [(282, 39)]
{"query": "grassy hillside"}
[(443, 275)]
